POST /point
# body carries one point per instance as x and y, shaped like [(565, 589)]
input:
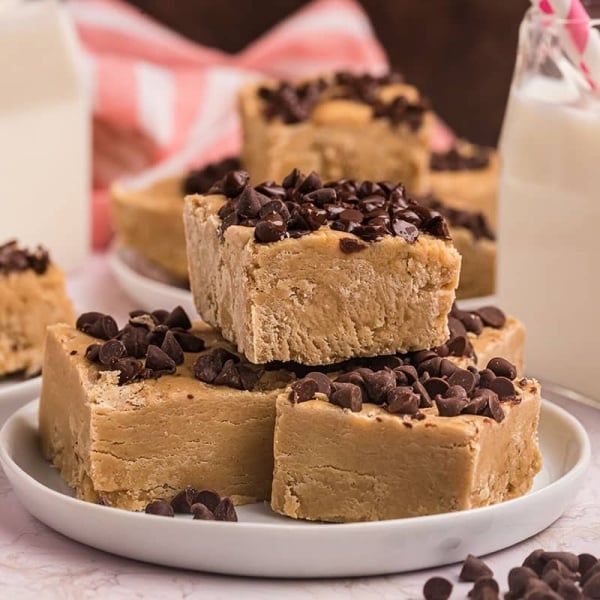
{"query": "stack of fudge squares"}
[(340, 126), (332, 374)]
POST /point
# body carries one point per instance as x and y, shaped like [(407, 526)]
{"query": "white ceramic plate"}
[(475, 303), (147, 291), (267, 545), (15, 392)]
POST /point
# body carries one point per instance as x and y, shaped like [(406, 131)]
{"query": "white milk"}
[(549, 230), (44, 132)]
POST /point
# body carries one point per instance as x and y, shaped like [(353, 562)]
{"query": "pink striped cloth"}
[(183, 95)]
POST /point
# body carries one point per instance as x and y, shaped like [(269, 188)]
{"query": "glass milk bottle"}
[(44, 131), (549, 206)]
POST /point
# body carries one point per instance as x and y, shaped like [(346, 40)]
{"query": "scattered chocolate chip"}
[(201, 512), (437, 588), (182, 502), (502, 368), (586, 562), (97, 325), (591, 588), (473, 568), (402, 400), (158, 360), (171, 348), (225, 510), (323, 382), (518, 579), (535, 561), (450, 407), (491, 316), (485, 588), (503, 387), (346, 395), (129, 369), (207, 366), (568, 590), (189, 342), (463, 378), (111, 351), (178, 318), (159, 507), (435, 386), (209, 498), (303, 390), (594, 570), (570, 560)]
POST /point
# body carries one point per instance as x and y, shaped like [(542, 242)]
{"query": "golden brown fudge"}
[(342, 457), (159, 430), (342, 126), (466, 177), (32, 296), (149, 220), (293, 272)]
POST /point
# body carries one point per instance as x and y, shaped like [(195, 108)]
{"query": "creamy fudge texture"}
[(478, 266), (30, 300), (344, 126), (507, 341), (307, 300), (466, 178), (133, 443), (405, 467)]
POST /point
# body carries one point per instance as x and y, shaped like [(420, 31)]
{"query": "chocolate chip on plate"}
[(225, 510), (209, 498), (201, 512), (182, 501), (159, 507)]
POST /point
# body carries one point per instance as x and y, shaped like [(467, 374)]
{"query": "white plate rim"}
[(308, 532)]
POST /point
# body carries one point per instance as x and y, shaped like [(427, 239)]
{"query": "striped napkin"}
[(182, 96)]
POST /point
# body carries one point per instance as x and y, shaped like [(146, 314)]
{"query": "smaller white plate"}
[(15, 393), (148, 293), (264, 544)]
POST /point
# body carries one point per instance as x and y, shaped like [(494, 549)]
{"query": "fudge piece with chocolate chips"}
[(317, 273), (476, 243), (466, 178), (136, 414), (340, 125), (32, 296), (431, 440), (148, 222)]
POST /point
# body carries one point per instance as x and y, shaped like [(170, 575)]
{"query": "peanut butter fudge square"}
[(466, 177), (404, 444), (476, 243), (340, 125), (32, 296), (318, 273), (132, 415), (148, 221)]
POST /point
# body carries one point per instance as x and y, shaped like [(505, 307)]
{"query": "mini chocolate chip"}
[(97, 325), (322, 196), (225, 510), (378, 384), (567, 590), (494, 409), (435, 386), (472, 322), (518, 578), (402, 400), (178, 318), (502, 368), (421, 391), (491, 316), (432, 366), (129, 368), (157, 360), (554, 564), (207, 366), (570, 560), (476, 406), (250, 202), (160, 315), (135, 340), (111, 351), (347, 395), (535, 560), (590, 573), (189, 342), (503, 387), (455, 391), (447, 367), (485, 588), (459, 346), (591, 588), (249, 375), (234, 182), (351, 245), (323, 382), (182, 502), (270, 228), (92, 352), (311, 183), (303, 390), (171, 348), (409, 371), (229, 376), (473, 568), (159, 507), (437, 588), (451, 406), (486, 377), (209, 498), (201, 512), (464, 378), (456, 327), (405, 230), (586, 562)]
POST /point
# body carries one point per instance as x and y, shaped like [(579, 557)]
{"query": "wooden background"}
[(459, 52)]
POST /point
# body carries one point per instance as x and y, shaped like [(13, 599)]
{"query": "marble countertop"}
[(36, 562)]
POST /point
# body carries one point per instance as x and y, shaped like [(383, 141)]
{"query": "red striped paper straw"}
[(585, 40)]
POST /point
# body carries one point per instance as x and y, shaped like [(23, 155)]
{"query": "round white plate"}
[(148, 293), (267, 545), (475, 303), (15, 392)]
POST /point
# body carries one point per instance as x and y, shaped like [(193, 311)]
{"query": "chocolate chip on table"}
[(209, 498), (535, 560), (485, 588), (225, 510), (491, 316), (303, 390), (201, 512), (586, 562), (159, 361), (568, 590), (591, 588), (97, 325), (473, 568), (351, 245), (568, 559), (402, 400), (182, 501), (591, 572), (502, 368), (346, 395), (518, 578), (437, 588), (159, 507)]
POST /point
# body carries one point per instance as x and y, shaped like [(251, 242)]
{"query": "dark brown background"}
[(459, 52)]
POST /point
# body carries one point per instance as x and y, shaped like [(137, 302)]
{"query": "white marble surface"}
[(37, 563)]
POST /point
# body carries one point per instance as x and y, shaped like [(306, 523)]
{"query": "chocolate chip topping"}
[(437, 588), (15, 259), (455, 160), (221, 367), (302, 204), (475, 222), (295, 103), (199, 181), (161, 338), (347, 395)]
